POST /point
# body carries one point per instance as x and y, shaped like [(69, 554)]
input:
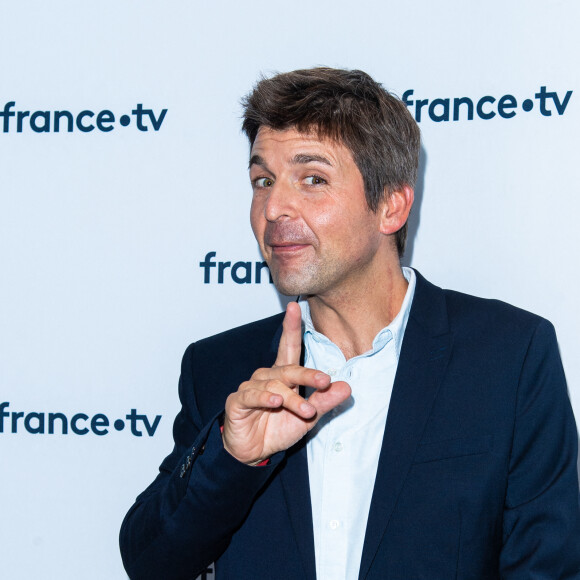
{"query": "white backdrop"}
[(102, 231)]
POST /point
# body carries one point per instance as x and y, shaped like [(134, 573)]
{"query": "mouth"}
[(287, 248)]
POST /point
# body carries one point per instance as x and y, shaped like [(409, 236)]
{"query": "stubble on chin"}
[(301, 282), (287, 284)]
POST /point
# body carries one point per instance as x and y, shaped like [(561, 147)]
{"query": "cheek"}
[(324, 216), (258, 223), (331, 221), (325, 220), (255, 218)]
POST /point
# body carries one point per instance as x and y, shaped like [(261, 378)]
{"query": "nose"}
[(280, 202)]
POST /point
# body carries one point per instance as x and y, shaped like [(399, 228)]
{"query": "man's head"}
[(352, 109)]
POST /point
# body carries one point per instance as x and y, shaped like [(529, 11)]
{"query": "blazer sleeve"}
[(541, 517), (185, 519)]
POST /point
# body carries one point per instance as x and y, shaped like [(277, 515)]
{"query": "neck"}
[(352, 318)]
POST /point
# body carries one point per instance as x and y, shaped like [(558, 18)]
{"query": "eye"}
[(263, 182), (314, 180)]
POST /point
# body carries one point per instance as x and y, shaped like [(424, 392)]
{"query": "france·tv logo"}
[(486, 107), (41, 423), (240, 272), (85, 121)]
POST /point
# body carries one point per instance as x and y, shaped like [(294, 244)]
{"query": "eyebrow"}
[(298, 159), (256, 160), (302, 159)]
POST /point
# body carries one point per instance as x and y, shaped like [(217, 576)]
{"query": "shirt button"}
[(338, 447), (334, 524), (331, 372)]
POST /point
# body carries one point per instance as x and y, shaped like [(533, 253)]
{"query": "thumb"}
[(324, 400)]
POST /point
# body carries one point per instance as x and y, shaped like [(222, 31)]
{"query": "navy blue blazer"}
[(476, 479)]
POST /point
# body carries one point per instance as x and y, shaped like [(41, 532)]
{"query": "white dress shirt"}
[(343, 449)]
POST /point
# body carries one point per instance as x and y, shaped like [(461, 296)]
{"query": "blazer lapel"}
[(296, 487), (424, 354)]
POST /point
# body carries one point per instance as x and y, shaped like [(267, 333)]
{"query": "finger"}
[(292, 375), (253, 398), (290, 345), (292, 400), (275, 394), (327, 399)]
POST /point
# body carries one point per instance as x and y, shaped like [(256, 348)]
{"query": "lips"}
[(287, 248)]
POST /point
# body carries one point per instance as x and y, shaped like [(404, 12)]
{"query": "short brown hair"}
[(351, 108)]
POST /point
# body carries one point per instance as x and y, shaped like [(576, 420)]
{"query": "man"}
[(405, 432)]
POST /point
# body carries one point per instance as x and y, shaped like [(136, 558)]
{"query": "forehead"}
[(289, 142)]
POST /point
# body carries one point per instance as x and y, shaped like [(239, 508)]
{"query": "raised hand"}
[(266, 414)]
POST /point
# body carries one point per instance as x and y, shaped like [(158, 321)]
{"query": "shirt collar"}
[(395, 330)]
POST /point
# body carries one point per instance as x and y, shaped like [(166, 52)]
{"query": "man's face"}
[(309, 213)]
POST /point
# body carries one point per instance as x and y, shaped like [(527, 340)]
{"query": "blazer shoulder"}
[(259, 330), (441, 310), (240, 348), (492, 314)]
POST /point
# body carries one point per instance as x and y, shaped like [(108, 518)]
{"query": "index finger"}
[(290, 345)]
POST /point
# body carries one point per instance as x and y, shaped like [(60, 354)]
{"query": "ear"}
[(395, 208)]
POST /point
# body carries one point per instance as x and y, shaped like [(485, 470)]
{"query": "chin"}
[(297, 283), (288, 289), (289, 285)]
